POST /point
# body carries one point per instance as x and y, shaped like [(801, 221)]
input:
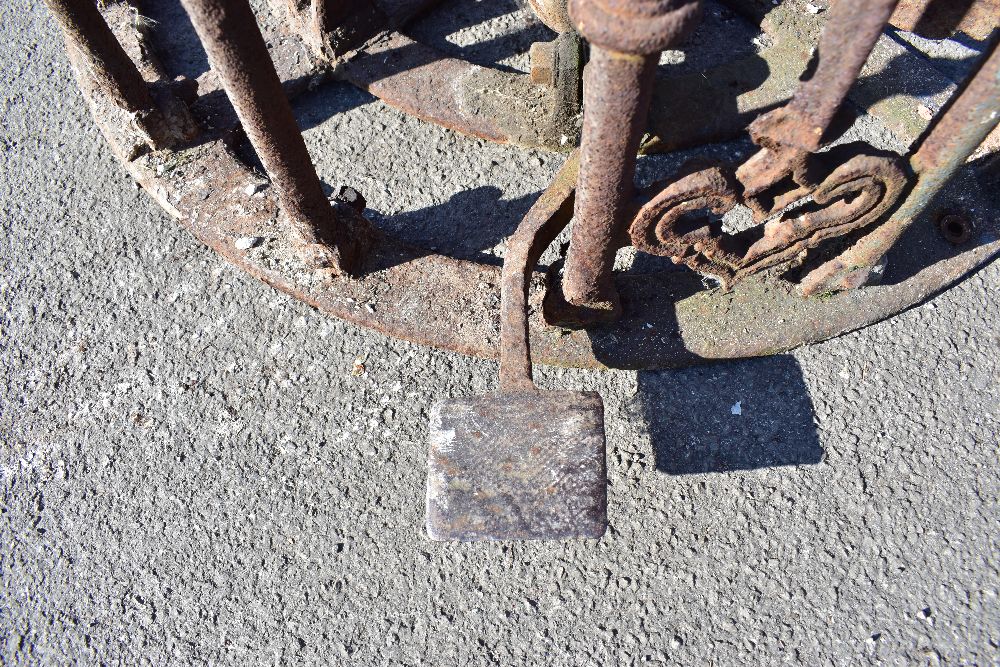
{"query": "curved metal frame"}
[(205, 186)]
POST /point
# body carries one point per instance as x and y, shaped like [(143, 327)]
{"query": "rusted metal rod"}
[(626, 39), (116, 74), (548, 216), (617, 91), (237, 52), (844, 47), (789, 133), (953, 138)]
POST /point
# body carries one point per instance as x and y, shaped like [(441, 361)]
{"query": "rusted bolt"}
[(956, 228), (543, 63)]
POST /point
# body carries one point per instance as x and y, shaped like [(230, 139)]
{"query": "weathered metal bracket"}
[(520, 463), (492, 104)]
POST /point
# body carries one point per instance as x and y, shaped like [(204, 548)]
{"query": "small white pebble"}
[(247, 242), (253, 189), (813, 9), (925, 112), (737, 408), (370, 308)]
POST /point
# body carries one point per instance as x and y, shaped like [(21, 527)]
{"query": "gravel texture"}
[(199, 470)]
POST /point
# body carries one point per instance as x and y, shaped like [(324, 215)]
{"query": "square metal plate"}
[(517, 466)]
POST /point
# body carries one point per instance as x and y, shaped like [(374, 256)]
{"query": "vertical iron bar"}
[(86, 30), (626, 39), (617, 90), (850, 34), (237, 52)]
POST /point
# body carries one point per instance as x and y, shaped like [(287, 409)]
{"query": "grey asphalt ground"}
[(192, 473)]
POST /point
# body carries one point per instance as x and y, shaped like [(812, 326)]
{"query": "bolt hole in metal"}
[(956, 228)]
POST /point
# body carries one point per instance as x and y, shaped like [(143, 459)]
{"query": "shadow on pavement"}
[(737, 416)]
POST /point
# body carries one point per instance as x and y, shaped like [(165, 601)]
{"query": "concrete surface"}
[(195, 471)]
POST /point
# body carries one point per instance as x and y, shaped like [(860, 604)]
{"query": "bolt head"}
[(543, 63)]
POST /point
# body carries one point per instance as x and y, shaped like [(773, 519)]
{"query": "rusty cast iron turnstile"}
[(825, 214)]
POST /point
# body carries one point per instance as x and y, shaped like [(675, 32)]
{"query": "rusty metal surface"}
[(856, 194), (539, 118), (617, 90), (85, 30), (788, 134), (673, 224), (858, 190), (517, 466), (668, 320), (325, 237), (766, 79), (937, 19), (341, 26), (492, 104), (143, 114), (549, 215), (954, 137), (559, 65), (109, 67), (522, 463), (851, 187), (552, 13), (879, 92), (336, 28), (626, 39), (642, 27)]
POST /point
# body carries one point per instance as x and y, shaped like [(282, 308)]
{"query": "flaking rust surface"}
[(526, 465), (206, 186)]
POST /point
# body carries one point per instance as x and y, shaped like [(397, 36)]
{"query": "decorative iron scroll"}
[(676, 222)]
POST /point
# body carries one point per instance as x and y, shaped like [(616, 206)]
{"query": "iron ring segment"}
[(668, 319)]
